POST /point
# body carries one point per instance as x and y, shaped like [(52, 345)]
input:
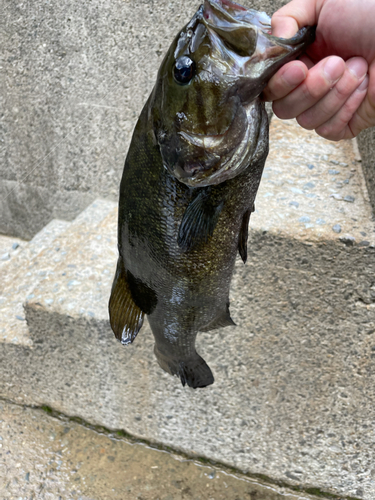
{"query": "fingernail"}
[(333, 69), (357, 66), (364, 84)]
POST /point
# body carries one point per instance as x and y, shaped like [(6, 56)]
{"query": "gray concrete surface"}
[(294, 393), (20, 272), (74, 77), (313, 190), (42, 457)]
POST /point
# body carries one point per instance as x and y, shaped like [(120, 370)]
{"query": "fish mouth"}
[(235, 50), (245, 36)]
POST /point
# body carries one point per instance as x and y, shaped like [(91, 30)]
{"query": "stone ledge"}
[(19, 274), (60, 458), (366, 143)]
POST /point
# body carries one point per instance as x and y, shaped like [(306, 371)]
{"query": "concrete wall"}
[(75, 76)]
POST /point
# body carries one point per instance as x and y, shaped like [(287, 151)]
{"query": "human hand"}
[(331, 89)]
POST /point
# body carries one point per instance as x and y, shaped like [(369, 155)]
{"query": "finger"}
[(334, 100), (320, 79), (293, 16), (365, 116), (340, 126), (285, 80)]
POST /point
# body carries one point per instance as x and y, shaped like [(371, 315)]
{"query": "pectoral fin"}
[(126, 317), (199, 220), (244, 233)]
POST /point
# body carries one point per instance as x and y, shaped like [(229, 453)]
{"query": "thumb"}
[(293, 16), (283, 26)]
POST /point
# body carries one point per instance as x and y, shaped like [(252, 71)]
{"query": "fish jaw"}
[(247, 36)]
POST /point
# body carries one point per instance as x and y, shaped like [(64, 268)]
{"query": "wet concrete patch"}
[(42, 457)]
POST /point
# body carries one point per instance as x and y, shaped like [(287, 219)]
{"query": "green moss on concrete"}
[(47, 409)]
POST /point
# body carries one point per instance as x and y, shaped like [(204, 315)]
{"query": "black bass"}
[(190, 180)]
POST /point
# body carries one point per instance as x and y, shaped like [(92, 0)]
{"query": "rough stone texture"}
[(74, 78), (9, 247), (366, 143), (294, 394), (46, 458), (20, 272), (313, 189)]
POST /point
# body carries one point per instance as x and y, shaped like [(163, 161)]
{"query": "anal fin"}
[(243, 235), (126, 317), (220, 321)]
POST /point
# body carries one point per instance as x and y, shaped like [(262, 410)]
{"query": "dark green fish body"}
[(189, 184)]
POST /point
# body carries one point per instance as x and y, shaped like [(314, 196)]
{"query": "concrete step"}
[(58, 260), (9, 248), (20, 272), (294, 396), (313, 190)]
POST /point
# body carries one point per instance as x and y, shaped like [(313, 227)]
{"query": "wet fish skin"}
[(190, 180)]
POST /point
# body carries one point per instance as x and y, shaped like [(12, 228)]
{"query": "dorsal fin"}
[(199, 220), (126, 317)]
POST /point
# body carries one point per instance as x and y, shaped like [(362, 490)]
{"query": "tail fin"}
[(193, 371)]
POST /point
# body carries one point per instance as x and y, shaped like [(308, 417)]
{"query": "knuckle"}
[(344, 88), (332, 132), (281, 111), (312, 91), (306, 120)]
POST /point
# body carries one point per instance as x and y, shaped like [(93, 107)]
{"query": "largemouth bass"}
[(190, 180)]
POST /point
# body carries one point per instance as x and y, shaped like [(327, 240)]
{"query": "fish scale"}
[(190, 180)]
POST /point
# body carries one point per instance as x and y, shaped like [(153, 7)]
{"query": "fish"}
[(190, 179)]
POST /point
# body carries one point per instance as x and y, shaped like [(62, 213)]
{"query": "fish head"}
[(205, 107)]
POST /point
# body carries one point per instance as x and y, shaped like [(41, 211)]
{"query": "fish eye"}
[(184, 70)]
